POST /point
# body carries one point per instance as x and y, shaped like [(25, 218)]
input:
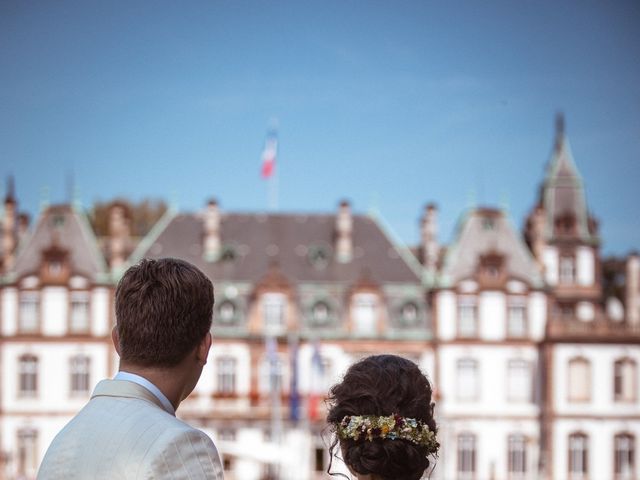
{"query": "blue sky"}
[(389, 104)]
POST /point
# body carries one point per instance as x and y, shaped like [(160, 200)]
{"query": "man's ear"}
[(202, 351), (115, 338)]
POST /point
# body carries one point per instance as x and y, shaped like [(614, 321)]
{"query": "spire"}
[(11, 190), (563, 196), (559, 130)]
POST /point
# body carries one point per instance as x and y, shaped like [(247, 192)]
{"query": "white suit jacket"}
[(124, 433)]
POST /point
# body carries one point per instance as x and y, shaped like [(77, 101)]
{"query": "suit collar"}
[(127, 389)]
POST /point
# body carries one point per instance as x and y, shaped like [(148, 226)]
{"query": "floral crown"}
[(393, 427)]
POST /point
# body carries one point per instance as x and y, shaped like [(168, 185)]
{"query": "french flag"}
[(269, 154)]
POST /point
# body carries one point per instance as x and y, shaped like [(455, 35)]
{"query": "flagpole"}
[(273, 192)]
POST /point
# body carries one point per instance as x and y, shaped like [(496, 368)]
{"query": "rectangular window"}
[(624, 380), (29, 317), (272, 377), (519, 381), (226, 375), (466, 456), (80, 367), (79, 313), (567, 270), (467, 318), (517, 457), (517, 319), (365, 314), (28, 376), (27, 453), (467, 379), (579, 380)]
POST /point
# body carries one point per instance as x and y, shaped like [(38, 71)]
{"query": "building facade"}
[(535, 372)]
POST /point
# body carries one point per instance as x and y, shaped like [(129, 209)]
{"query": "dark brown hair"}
[(164, 309), (383, 385)]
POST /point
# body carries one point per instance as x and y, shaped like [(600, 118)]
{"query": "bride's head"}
[(383, 417)]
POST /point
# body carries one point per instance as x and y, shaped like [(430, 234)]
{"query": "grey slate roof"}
[(69, 229), (260, 240), (474, 239)]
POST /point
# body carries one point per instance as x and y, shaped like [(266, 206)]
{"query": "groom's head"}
[(164, 310)]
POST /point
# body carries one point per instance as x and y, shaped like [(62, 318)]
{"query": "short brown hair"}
[(164, 309)]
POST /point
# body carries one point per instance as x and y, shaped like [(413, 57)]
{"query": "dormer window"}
[(227, 313), (409, 314), (274, 305), (365, 313), (55, 268), (228, 253), (488, 223), (320, 313), (318, 256), (565, 224), (491, 266)]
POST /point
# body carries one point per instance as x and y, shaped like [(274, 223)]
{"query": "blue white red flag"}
[(269, 154)]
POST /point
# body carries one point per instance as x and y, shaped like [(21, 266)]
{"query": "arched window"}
[(624, 380), (517, 456), (466, 456), (28, 375), (409, 314), (320, 314), (227, 313), (579, 380), (578, 456), (624, 457), (27, 458)]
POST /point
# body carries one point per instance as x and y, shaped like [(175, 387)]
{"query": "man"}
[(128, 430)]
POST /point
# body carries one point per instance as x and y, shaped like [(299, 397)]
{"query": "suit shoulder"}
[(182, 451)]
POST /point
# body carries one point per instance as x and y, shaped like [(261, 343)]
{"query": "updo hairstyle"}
[(383, 385)]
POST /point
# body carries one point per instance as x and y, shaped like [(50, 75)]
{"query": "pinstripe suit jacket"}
[(124, 433)]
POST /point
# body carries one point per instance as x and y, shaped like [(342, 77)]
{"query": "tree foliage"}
[(142, 216)]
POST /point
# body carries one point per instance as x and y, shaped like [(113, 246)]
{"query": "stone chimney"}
[(344, 233), (119, 234), (212, 244), (429, 248), (9, 227), (633, 289)]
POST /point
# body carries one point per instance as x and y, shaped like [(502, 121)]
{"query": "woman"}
[(383, 419)]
